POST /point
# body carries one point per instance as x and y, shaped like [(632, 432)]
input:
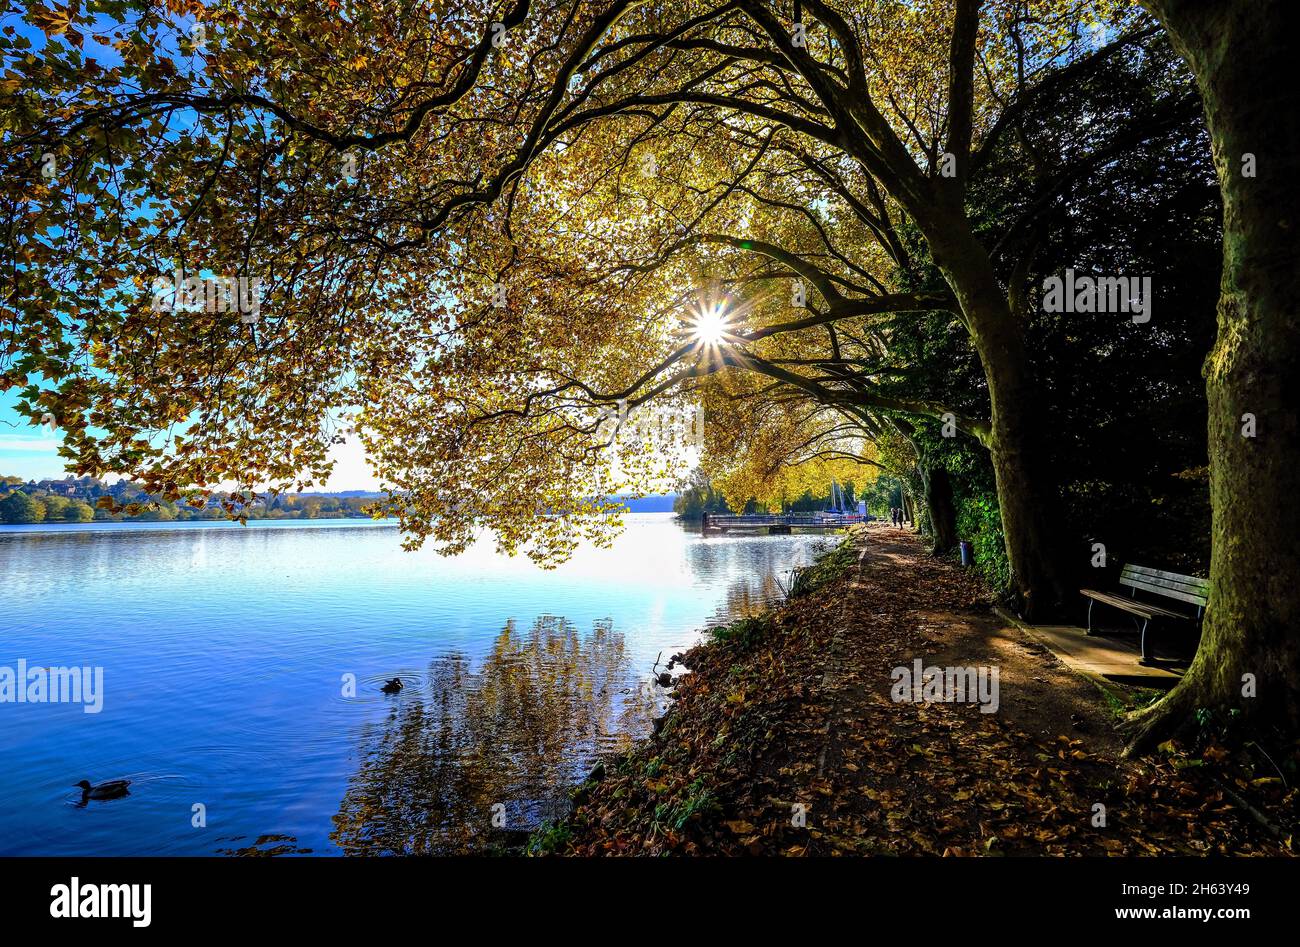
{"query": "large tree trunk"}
[(940, 508), (1026, 496), (1242, 53)]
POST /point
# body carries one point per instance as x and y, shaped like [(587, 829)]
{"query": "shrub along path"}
[(785, 738)]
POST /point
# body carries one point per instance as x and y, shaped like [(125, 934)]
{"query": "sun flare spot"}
[(711, 325)]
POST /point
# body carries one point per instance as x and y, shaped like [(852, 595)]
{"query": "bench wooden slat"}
[(1133, 606), (1182, 595), (1118, 601), (1144, 570), (1168, 580), (1194, 588), (1196, 582), (1183, 588)]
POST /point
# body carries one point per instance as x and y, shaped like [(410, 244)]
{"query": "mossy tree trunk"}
[(1242, 53), (1027, 498)]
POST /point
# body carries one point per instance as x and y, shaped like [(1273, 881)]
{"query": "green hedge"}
[(980, 524)]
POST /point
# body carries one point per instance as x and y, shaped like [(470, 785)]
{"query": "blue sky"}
[(26, 451), (31, 452)]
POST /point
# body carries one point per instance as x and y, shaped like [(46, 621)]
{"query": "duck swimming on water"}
[(113, 789), (393, 686)]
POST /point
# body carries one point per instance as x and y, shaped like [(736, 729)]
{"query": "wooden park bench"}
[(1170, 585)]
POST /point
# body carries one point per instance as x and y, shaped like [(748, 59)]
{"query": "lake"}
[(242, 669)]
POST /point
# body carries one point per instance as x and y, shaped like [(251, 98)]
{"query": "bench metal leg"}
[(1146, 659), (1091, 602)]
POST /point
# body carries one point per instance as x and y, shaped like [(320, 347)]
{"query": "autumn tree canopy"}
[(482, 234)]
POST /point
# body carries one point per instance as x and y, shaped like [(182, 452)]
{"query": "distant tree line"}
[(78, 501), (21, 507), (702, 497)]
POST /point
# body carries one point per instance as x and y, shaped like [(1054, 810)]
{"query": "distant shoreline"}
[(109, 526), (153, 526)]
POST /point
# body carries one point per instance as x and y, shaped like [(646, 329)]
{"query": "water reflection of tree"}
[(518, 731), (750, 596), (762, 567)]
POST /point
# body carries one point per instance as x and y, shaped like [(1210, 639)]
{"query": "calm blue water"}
[(227, 653)]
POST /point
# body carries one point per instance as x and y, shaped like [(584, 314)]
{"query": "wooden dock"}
[(778, 523)]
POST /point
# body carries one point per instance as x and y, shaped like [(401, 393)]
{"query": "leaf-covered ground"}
[(792, 713)]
